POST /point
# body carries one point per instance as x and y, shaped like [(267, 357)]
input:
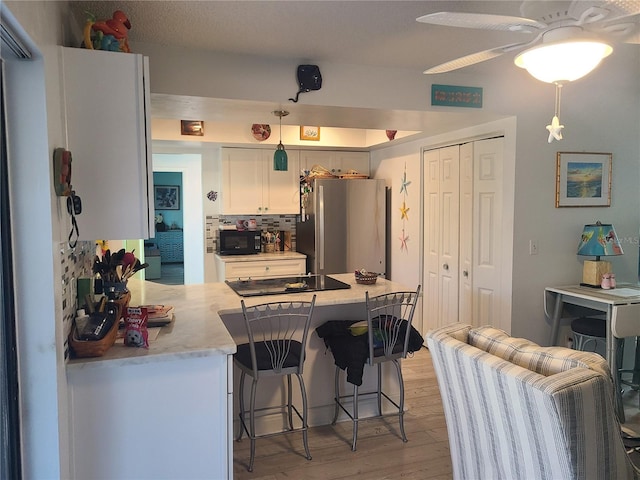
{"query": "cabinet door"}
[(281, 190), (309, 158), (251, 185), (338, 163), (241, 181), (106, 105), (345, 161)]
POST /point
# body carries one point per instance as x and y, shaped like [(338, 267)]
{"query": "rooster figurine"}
[(111, 34)]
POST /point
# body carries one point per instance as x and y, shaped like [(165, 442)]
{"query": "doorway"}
[(189, 166), (164, 252)]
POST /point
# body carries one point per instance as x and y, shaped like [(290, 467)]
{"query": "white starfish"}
[(555, 129)]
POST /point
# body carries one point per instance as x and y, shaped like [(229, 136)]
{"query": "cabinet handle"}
[(445, 266), (465, 273)]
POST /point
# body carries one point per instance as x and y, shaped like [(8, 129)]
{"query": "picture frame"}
[(166, 197), (192, 127), (583, 179), (309, 133)]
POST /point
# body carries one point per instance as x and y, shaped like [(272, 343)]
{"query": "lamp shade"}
[(598, 240), (563, 61), (280, 159)]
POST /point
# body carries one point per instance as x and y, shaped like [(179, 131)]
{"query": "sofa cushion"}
[(543, 360)]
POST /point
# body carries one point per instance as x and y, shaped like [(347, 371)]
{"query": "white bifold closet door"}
[(462, 218)]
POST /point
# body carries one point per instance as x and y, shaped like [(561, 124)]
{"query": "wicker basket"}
[(97, 348), (368, 278)]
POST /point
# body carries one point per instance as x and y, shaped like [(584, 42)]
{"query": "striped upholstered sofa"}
[(515, 410)]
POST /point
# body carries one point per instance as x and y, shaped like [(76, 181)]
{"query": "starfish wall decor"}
[(404, 210)]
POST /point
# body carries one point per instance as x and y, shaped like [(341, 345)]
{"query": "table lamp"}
[(597, 240)]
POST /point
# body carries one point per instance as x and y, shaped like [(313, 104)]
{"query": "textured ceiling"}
[(358, 32), (380, 33)]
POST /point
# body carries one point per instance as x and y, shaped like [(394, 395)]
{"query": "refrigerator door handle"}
[(320, 214)]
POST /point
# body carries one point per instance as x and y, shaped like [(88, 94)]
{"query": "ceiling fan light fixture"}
[(565, 61)]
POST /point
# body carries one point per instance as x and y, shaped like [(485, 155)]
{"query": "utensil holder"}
[(97, 348)]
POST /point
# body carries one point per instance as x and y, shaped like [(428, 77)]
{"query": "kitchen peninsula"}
[(167, 412)]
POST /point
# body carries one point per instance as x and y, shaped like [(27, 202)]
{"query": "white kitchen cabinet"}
[(153, 419), (228, 269), (107, 119), (337, 162), (251, 186)]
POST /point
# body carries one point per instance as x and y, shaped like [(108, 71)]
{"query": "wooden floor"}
[(381, 454)]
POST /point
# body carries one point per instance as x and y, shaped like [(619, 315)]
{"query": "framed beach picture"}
[(167, 197), (583, 179), (309, 133)]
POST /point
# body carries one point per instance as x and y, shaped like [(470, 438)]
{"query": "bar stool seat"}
[(589, 334)]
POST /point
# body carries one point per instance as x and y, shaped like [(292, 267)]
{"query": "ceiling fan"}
[(567, 40), (543, 21)]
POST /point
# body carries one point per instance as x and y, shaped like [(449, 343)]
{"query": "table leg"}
[(555, 320), (612, 360)]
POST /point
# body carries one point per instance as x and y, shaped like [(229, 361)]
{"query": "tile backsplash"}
[(75, 263), (274, 223)]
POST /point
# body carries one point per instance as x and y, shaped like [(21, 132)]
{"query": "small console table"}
[(596, 299)]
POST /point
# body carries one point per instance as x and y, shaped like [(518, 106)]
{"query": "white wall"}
[(34, 125)]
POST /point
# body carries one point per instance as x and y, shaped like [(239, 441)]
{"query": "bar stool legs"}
[(401, 406), (251, 430), (353, 415)]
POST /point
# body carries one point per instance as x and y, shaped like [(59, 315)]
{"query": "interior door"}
[(449, 233), (431, 221), (441, 224), (465, 302), (487, 221)]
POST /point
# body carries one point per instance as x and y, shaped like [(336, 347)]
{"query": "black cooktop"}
[(278, 286)]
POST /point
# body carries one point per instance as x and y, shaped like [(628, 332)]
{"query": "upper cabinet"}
[(107, 120), (338, 163), (250, 185)]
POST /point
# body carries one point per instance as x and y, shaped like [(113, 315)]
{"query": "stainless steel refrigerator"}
[(342, 226)]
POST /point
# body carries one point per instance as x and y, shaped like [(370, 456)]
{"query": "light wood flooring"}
[(381, 453)]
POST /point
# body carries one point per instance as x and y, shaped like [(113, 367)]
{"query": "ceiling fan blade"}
[(483, 21), (474, 58)]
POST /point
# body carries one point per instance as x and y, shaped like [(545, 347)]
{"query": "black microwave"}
[(239, 242)]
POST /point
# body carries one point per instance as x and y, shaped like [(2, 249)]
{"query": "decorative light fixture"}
[(564, 56), (563, 61), (597, 240), (280, 160)]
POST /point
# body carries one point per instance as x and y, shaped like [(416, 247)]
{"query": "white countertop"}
[(260, 257), (198, 330)]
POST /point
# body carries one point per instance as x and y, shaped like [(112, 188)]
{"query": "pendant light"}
[(280, 160)]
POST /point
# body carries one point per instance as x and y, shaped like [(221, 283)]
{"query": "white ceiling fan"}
[(566, 40), (542, 22)]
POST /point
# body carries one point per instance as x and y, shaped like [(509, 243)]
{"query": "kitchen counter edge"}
[(198, 330)]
